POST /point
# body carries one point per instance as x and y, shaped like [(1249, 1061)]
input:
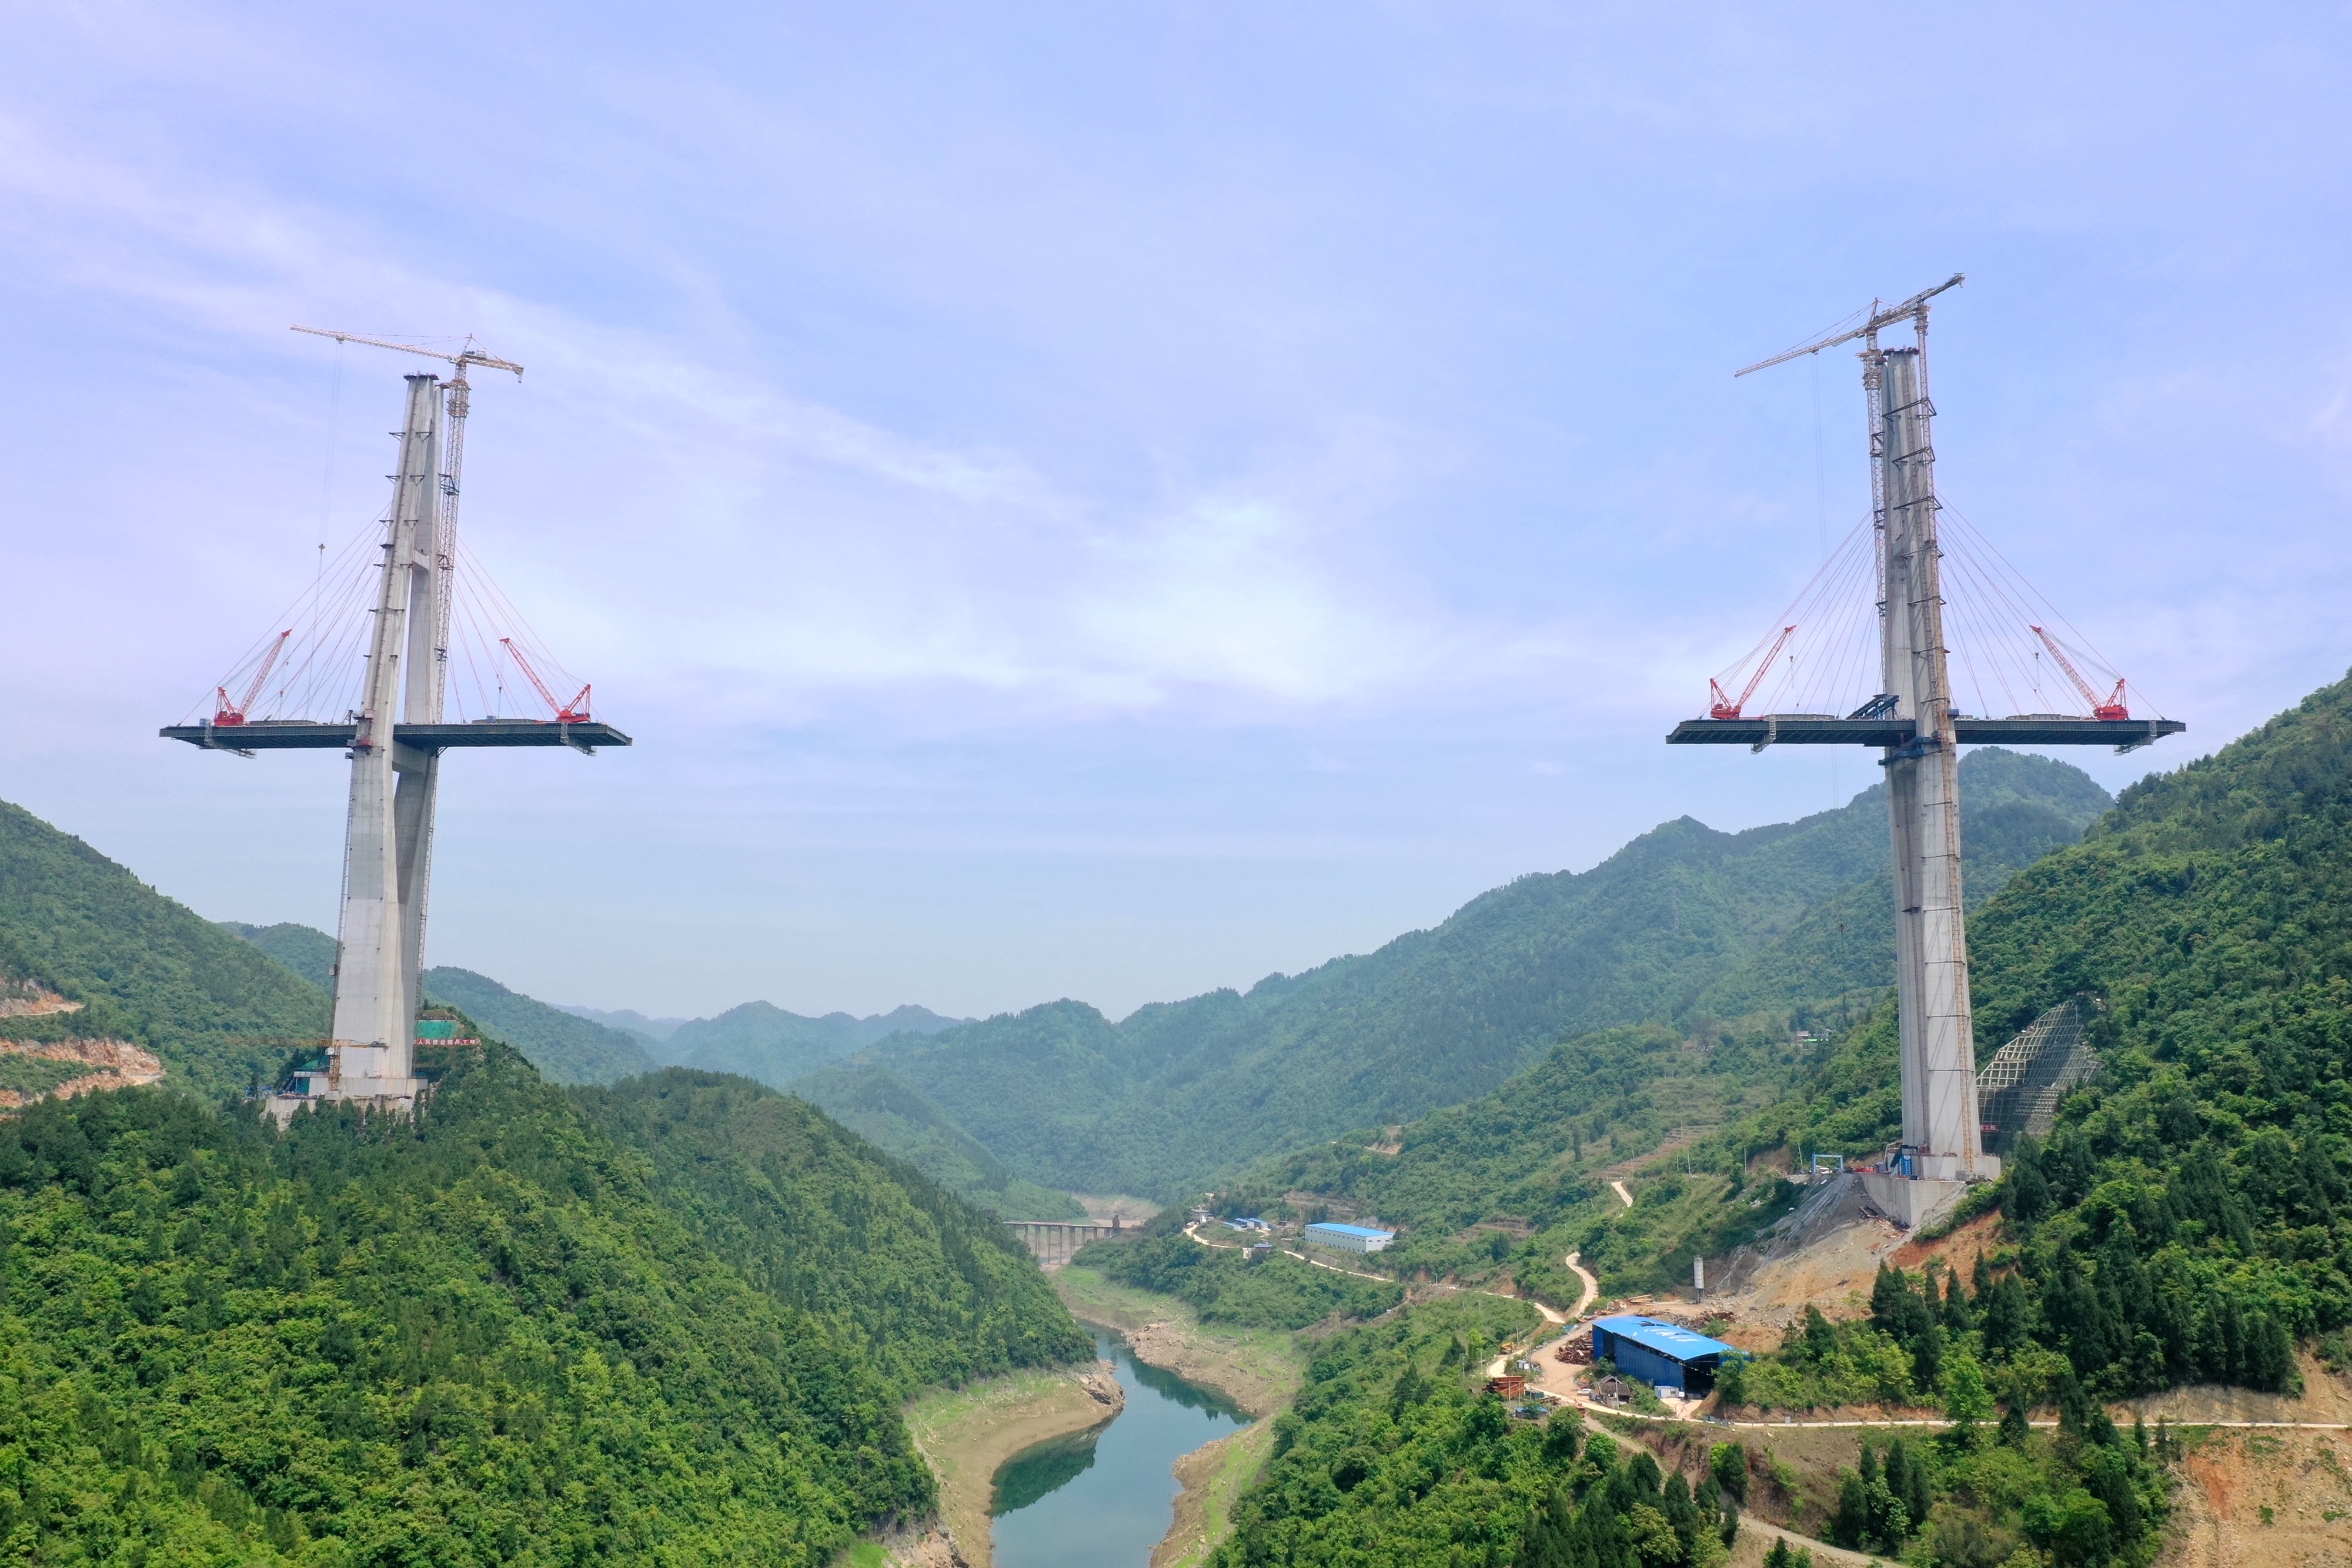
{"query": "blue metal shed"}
[(1664, 1353)]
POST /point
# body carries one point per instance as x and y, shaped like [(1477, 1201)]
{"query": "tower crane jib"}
[(2112, 708)]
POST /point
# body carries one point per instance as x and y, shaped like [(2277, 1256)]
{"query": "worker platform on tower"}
[(1828, 730)]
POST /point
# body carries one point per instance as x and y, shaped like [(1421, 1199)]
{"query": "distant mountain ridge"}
[(762, 1041), (629, 1019), (566, 1049), (1681, 923)]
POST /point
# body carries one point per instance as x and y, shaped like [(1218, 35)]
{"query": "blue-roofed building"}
[(1661, 1353), (1349, 1238)]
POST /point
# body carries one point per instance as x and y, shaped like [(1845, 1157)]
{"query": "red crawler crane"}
[(225, 712), (573, 712), (1721, 707), (2110, 709)]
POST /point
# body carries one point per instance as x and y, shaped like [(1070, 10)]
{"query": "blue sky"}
[(1113, 501)]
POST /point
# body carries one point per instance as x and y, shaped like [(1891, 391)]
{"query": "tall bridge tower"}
[(394, 735), (1913, 722)]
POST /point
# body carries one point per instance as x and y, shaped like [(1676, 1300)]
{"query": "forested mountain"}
[(883, 1111), (762, 1041), (1528, 1159), (218, 1011), (653, 1030), (825, 1223), (305, 949), (566, 1048), (2192, 1203), (474, 1336), (671, 1321), (2191, 1216), (2186, 1219), (1162, 1100)]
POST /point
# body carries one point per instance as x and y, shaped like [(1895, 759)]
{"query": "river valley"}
[(1103, 1498)]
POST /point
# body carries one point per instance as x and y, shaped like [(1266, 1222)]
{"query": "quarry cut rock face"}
[(105, 1064)]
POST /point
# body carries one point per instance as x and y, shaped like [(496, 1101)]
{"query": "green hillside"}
[(2190, 1205), (762, 1041), (217, 1010), (2186, 1219), (1391, 1455), (2192, 1215), (1512, 1179), (827, 1225), (886, 1112), (305, 949), (562, 1045), (1279, 1291), (2016, 809), (1165, 1099), (566, 1049), (478, 1337)]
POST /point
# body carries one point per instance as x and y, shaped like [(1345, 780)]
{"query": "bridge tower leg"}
[(1941, 1147), (387, 840)]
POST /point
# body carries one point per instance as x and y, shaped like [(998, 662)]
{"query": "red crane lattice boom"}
[(225, 712), (1719, 706), (2113, 708), (573, 712)]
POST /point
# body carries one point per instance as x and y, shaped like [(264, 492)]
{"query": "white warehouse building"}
[(1349, 1237)]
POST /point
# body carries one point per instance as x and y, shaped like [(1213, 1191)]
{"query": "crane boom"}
[(2110, 709), (1878, 321), (1719, 708), (229, 713), (573, 712), (469, 355)]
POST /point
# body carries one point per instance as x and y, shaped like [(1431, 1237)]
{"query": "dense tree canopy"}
[(147, 969), (472, 1337), (936, 1292)]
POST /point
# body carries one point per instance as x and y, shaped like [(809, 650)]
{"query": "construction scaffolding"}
[(2019, 1088)]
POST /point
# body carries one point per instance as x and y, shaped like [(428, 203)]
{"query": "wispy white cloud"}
[(725, 541)]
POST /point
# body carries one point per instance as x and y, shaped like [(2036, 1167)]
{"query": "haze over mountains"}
[(1683, 926), (681, 1256)]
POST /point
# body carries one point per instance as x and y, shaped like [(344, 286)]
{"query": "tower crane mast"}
[(459, 401)]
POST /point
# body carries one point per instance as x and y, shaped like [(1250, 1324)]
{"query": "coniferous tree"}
[(2008, 1316), (1958, 1316), (2014, 1428)]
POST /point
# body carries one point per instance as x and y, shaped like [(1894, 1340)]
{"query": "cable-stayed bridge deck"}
[(1828, 730), (280, 735)]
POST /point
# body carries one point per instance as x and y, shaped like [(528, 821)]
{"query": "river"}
[(1103, 1499)]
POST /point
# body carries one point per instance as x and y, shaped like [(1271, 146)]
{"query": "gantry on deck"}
[(282, 734), (1828, 730)]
